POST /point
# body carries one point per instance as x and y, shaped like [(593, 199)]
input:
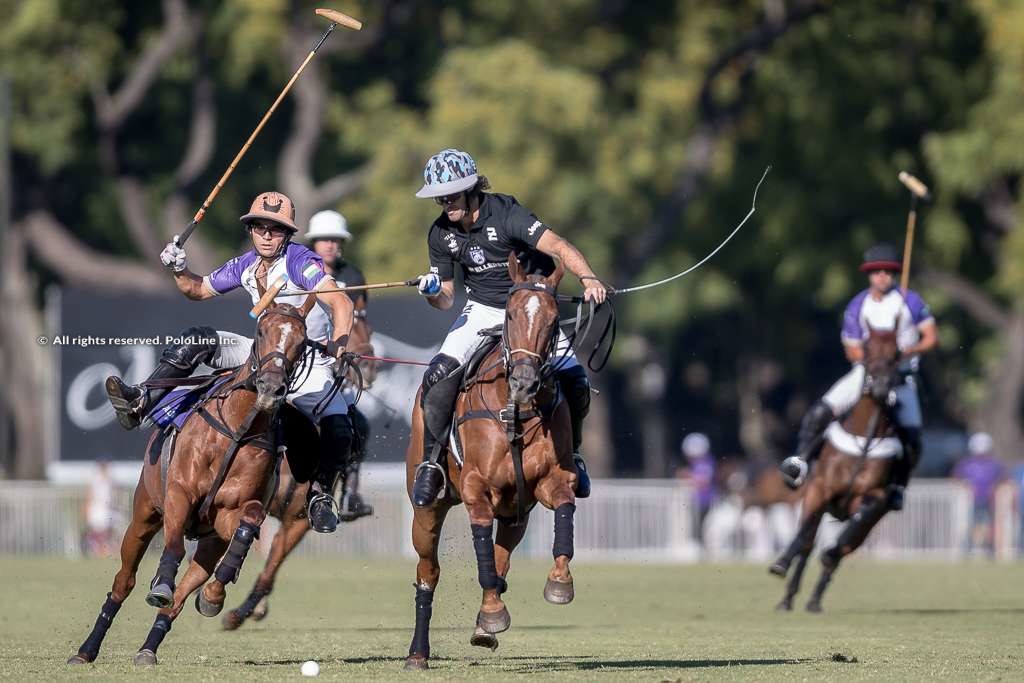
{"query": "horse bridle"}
[(540, 361), (257, 362)]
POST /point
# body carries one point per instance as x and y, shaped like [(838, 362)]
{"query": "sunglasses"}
[(263, 228), (450, 199)]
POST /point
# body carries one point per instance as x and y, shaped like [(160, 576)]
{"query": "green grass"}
[(649, 623)]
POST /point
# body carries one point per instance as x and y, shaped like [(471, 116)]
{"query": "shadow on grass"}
[(433, 629), (540, 664), (939, 611)]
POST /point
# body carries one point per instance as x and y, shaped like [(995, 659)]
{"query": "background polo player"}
[(477, 230), (270, 224), (877, 307), (327, 236)]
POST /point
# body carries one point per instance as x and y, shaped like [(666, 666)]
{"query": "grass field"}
[(649, 623)]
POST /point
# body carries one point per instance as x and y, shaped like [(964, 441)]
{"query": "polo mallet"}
[(274, 291), (335, 18), (918, 190)]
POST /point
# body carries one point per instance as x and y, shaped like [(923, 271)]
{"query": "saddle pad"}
[(179, 404), (850, 444)]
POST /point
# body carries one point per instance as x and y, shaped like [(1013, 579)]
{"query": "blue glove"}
[(429, 285)]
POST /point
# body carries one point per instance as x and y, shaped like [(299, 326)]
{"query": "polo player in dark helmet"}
[(270, 225), (477, 230), (877, 307)]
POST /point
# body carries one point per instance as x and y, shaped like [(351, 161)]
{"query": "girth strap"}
[(237, 441)]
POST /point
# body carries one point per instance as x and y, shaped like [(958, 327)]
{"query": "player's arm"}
[(854, 350), (929, 338), (340, 307), (193, 286), (560, 248), (438, 286)]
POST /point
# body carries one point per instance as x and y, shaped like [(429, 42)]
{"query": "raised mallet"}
[(918, 190), (335, 18)]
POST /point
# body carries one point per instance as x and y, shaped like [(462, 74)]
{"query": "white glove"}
[(173, 256), (429, 284)]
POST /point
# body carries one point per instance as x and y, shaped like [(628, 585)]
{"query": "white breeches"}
[(845, 393)]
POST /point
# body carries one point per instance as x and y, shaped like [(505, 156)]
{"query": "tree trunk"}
[(1000, 414)]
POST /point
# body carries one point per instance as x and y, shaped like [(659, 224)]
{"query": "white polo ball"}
[(310, 669)]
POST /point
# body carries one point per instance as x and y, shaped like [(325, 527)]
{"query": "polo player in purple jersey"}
[(270, 225), (878, 307)]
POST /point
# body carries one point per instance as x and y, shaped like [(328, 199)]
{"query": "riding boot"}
[(812, 427), (132, 402), (352, 505), (899, 475), (335, 444), (575, 388), (428, 484)]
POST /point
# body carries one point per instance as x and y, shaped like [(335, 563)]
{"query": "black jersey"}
[(503, 226), (347, 275)]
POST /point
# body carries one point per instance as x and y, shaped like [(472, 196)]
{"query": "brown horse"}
[(289, 502), (518, 452), (209, 483), (849, 486)]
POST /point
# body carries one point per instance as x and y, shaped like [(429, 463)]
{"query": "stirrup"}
[(433, 466), (332, 505)]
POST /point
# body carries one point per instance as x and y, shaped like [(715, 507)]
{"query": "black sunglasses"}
[(448, 199)]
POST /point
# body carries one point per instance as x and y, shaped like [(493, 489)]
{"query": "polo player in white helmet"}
[(477, 230), (270, 226), (327, 236)]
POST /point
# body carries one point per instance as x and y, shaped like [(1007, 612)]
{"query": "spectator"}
[(982, 472), (699, 468), (99, 513)]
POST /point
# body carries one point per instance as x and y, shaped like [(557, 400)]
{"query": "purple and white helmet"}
[(448, 172)]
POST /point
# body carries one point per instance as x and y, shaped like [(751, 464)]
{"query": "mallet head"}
[(340, 18)]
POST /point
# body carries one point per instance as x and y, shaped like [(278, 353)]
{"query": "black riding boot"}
[(132, 402), (814, 424), (428, 484), (335, 443), (576, 388), (899, 475), (352, 505)]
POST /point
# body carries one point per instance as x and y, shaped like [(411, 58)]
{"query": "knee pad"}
[(576, 387), (440, 367), (198, 344)]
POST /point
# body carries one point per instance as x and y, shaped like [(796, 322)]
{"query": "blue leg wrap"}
[(229, 567), (424, 609), (483, 544), (563, 530)]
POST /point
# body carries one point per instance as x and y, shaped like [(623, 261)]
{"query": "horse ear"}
[(555, 277), (515, 270)]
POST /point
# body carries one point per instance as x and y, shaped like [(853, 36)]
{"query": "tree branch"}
[(339, 187), (79, 264), (969, 296), (112, 110)]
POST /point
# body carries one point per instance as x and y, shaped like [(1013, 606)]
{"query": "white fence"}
[(624, 521)]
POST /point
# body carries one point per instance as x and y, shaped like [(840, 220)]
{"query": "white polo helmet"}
[(980, 443), (327, 225), (696, 445)]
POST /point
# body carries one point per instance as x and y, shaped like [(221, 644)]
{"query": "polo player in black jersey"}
[(477, 230)]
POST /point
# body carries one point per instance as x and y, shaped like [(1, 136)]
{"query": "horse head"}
[(359, 342), (279, 343), (881, 357), (531, 325)]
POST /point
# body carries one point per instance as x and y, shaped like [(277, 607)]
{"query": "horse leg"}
[(144, 525), (506, 540), (176, 510), (292, 530), (803, 542), (852, 536), (426, 533), (203, 562), (793, 584), (559, 590), (246, 523), (493, 616)]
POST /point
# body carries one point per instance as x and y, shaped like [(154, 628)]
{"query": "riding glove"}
[(429, 284), (173, 256)]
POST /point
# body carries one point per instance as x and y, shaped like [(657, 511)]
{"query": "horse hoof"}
[(79, 659), (231, 621), (779, 569), (482, 638), (784, 606), (494, 622), (559, 592), (207, 608), (416, 663), (814, 607), (144, 658), (161, 596), (259, 613)]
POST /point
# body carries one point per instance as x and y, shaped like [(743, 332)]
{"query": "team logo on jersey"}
[(533, 228), (453, 245), (477, 254), (492, 234)]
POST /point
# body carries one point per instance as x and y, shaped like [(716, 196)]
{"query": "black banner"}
[(101, 334)]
